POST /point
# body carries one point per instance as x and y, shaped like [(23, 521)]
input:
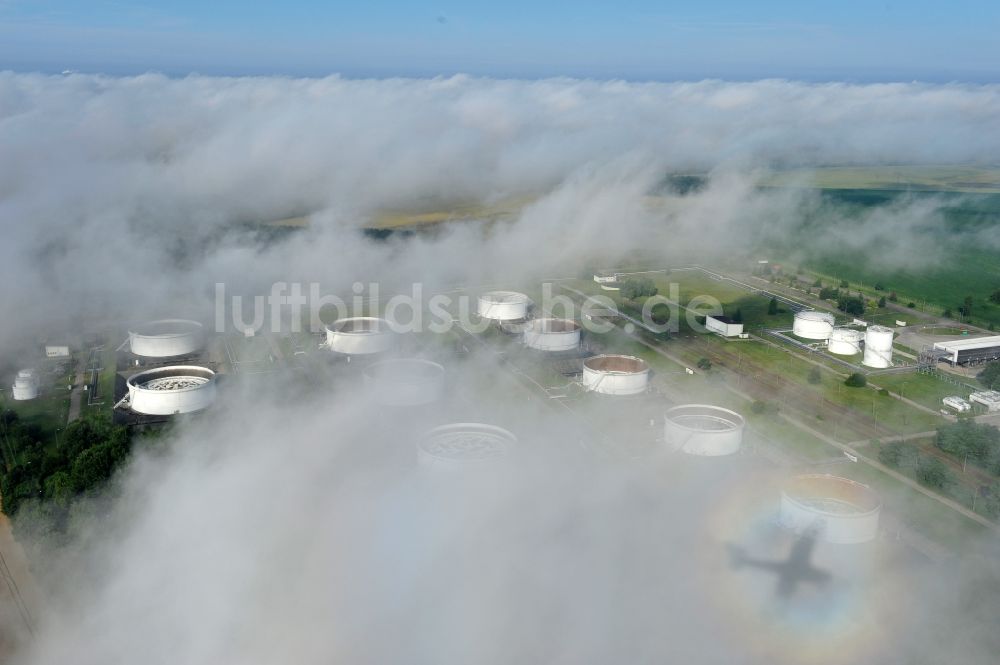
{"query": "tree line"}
[(77, 460)]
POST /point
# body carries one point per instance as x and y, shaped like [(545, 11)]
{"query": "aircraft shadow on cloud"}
[(791, 572)]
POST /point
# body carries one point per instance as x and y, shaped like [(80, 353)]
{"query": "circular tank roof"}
[(812, 315), (552, 326), (466, 442), (616, 364), (846, 335), (705, 418), (832, 495), (167, 328), (359, 325), (504, 297), (172, 379)]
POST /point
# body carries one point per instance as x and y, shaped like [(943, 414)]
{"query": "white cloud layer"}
[(272, 533)]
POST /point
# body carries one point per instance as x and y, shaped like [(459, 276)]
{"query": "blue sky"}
[(813, 41)]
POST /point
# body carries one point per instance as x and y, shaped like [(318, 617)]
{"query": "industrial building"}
[(842, 510), (970, 351), (703, 429), (616, 375), (957, 403), (724, 325), (606, 276), (988, 398)]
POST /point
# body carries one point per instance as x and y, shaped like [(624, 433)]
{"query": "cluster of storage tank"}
[(171, 389), (875, 342)]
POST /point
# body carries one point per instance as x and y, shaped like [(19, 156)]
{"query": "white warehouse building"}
[(723, 325), (970, 350), (957, 403), (988, 398)]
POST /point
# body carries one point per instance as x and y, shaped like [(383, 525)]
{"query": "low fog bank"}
[(297, 526), (293, 525), (116, 193)]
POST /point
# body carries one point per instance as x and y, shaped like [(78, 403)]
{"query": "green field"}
[(938, 178), (967, 241)]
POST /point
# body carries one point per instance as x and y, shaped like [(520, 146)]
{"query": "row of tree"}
[(927, 469), (967, 439)]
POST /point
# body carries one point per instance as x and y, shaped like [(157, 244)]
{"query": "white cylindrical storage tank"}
[(360, 335), (878, 347), (167, 338), (703, 429), (464, 447), (811, 324), (552, 335), (166, 391), (845, 341), (503, 306), (616, 375), (25, 385), (843, 511), (405, 382)]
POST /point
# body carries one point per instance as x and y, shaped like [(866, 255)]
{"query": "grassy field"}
[(969, 264), (49, 410), (907, 178)]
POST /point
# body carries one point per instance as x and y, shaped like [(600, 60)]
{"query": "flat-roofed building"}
[(970, 351), (988, 398), (724, 325), (957, 403)]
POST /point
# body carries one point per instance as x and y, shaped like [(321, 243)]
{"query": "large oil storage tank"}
[(405, 381), (704, 429), (811, 324), (167, 338), (845, 341), (841, 510), (615, 374), (359, 335), (552, 335), (25, 385), (503, 306), (464, 447), (170, 390), (878, 347)]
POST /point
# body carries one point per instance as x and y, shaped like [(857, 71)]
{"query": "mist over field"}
[(145, 176), (290, 525)]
